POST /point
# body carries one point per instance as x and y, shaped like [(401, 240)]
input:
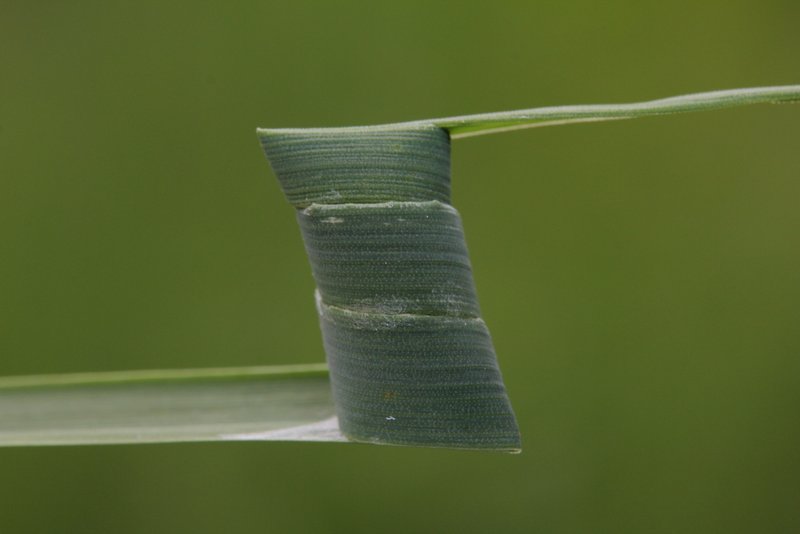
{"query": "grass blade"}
[(486, 123), (287, 403)]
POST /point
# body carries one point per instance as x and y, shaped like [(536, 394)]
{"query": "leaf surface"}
[(286, 403)]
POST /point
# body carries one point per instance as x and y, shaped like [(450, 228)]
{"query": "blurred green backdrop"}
[(641, 279)]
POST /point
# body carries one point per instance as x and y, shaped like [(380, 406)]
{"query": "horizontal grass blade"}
[(486, 123), (286, 403)]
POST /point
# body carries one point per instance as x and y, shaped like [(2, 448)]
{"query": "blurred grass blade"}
[(486, 123), (286, 403)]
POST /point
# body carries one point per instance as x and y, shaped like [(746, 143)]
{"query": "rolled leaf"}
[(411, 360)]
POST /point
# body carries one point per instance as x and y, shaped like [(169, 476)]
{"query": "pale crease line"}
[(525, 126), (325, 430), (315, 207)]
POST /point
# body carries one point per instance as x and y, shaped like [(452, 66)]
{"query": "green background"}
[(641, 278)]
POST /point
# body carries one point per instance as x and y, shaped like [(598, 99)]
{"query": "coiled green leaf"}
[(411, 361)]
